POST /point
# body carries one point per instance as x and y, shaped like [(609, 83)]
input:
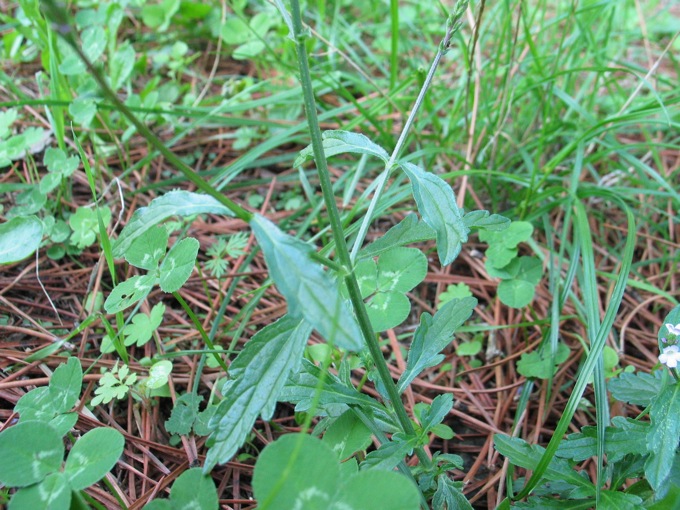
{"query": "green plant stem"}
[(200, 329), (394, 50), (65, 29), (453, 25), (338, 236)]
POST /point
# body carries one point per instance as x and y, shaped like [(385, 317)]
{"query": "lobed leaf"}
[(638, 389), (433, 335), (259, 373)]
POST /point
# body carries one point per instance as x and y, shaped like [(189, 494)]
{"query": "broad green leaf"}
[(387, 310), (31, 451), (483, 221), (347, 435), (158, 374), (433, 335), (19, 238), (297, 471), (302, 388), (638, 389), (194, 490), (158, 16), (183, 415), (401, 269), (173, 203), (64, 422), (146, 251), (517, 232), (341, 142), (83, 110), (178, 264), (159, 504), (516, 293), (121, 65), (93, 456), (53, 493), (366, 272), (49, 182), (7, 118), (409, 230), (309, 291), (377, 490), (663, 437), (522, 454), (127, 293), (37, 404), (537, 364), (93, 42), (65, 385), (548, 503), (142, 327), (471, 348), (437, 205), (258, 373), (235, 31), (56, 162), (248, 50)]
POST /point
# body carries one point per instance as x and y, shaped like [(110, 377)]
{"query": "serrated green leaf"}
[(173, 203), (433, 335), (7, 118), (127, 293), (192, 490), (309, 291), (638, 389), (663, 437), (19, 238), (435, 413), (35, 450), (259, 373), (302, 388), (522, 454), (183, 415), (83, 110), (85, 225), (142, 327), (57, 162), (409, 230), (626, 437), (93, 456), (537, 364), (437, 205), (178, 264), (146, 251), (449, 495), (517, 232), (347, 435), (341, 142), (389, 454), (54, 492), (460, 290)]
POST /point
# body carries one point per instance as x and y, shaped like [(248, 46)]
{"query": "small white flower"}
[(670, 356), (673, 330)]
